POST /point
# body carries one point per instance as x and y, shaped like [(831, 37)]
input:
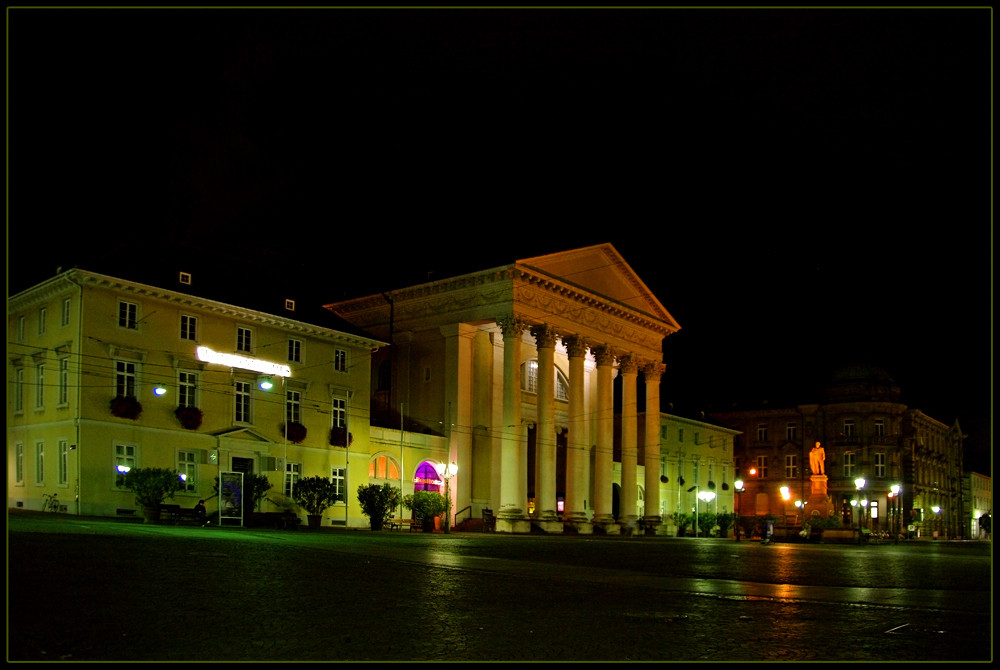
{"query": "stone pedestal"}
[(819, 500)]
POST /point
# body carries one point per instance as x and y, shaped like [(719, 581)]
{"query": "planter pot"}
[(150, 514), (315, 520), (427, 525)]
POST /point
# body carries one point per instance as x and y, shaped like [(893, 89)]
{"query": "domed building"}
[(884, 466)]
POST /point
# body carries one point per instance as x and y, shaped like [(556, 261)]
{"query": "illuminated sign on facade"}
[(244, 363)]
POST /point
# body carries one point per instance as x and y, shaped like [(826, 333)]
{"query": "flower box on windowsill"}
[(339, 437), (296, 432), (126, 407), (190, 417)]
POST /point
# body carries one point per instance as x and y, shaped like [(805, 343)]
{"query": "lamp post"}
[(447, 472), (739, 507), (859, 483), (893, 501)]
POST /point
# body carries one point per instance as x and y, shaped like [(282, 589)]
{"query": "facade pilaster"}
[(545, 434), (603, 450), (651, 373), (511, 516), (458, 411), (628, 366), (577, 448)]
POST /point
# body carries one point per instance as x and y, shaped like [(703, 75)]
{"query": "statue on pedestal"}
[(817, 458)]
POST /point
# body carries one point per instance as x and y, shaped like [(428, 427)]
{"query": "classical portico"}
[(519, 362)]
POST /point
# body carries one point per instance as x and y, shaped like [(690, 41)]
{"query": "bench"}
[(397, 524), (177, 514)]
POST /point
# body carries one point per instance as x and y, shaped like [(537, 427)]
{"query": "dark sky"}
[(800, 188)]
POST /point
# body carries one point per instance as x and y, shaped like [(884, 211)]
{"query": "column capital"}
[(512, 326), (628, 364), (545, 336), (604, 354), (653, 371), (576, 346)]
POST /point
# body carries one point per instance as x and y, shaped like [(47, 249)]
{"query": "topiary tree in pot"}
[(315, 495), (151, 486), (377, 503), (425, 506)]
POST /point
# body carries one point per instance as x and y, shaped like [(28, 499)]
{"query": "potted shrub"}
[(151, 486), (425, 505), (378, 503), (126, 407), (294, 431), (315, 495), (255, 488), (190, 417)]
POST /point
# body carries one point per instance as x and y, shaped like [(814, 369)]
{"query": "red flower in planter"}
[(296, 431), (126, 407), (190, 417), (339, 437)]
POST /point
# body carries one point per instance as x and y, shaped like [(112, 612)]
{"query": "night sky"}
[(801, 189)]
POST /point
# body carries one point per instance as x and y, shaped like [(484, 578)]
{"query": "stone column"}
[(628, 366), (577, 450), (458, 394), (511, 516), (652, 372), (603, 449), (545, 435)]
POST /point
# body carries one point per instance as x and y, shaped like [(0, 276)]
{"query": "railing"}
[(468, 509)]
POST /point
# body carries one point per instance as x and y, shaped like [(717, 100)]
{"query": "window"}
[(187, 389), (791, 466), (340, 360), (848, 428), (338, 408), (294, 350), (40, 386), (184, 278), (124, 458), (242, 394), (125, 376), (20, 328), (337, 477), (762, 432), (187, 469), (293, 406), (128, 315), (383, 467), (19, 463), (762, 467), (680, 434), (63, 381), (39, 462), (791, 431), (42, 314), (189, 327), (19, 390), (289, 305), (879, 464), (879, 427), (243, 339), (63, 462), (697, 438), (66, 311), (292, 473), (529, 380), (849, 464)]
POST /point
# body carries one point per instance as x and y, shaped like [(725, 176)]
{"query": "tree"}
[(151, 486), (425, 506), (314, 494), (377, 503)]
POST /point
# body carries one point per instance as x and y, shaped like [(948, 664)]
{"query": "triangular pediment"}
[(248, 434), (600, 269)]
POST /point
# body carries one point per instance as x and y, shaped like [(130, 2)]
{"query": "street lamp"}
[(859, 483), (447, 472), (739, 489), (896, 508)]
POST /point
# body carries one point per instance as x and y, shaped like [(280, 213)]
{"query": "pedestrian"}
[(201, 513), (768, 531)]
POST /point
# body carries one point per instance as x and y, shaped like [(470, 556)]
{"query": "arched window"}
[(427, 478), (383, 467), (529, 379)]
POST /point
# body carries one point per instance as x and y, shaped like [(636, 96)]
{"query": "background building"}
[(867, 433), (81, 339)]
